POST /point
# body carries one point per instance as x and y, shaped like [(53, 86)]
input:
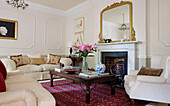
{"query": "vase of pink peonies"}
[(83, 51)]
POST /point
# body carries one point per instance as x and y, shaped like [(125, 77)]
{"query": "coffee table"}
[(87, 81)]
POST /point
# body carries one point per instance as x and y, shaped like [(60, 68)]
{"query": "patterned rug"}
[(68, 93)]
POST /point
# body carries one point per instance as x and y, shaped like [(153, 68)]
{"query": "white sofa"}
[(22, 90), (39, 72), (150, 88)]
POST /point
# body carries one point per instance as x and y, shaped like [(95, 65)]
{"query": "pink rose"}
[(84, 47), (73, 46), (102, 38), (95, 47), (89, 48), (79, 47)]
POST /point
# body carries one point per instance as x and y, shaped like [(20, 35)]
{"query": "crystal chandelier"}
[(123, 26), (17, 3)]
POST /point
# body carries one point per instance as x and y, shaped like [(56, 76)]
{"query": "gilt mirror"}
[(116, 23)]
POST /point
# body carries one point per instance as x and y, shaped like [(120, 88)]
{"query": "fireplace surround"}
[(119, 58), (130, 48)]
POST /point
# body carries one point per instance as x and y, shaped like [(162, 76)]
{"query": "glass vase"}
[(84, 68)]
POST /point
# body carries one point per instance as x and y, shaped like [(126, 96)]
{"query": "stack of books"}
[(91, 75), (73, 67)]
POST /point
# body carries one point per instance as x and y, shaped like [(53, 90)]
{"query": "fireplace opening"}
[(116, 63)]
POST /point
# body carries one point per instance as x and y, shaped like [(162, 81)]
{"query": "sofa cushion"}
[(30, 68), (2, 84), (19, 79), (3, 70), (14, 72), (44, 98), (25, 60), (130, 80), (53, 59), (47, 67), (36, 75), (36, 61), (17, 59), (150, 71)]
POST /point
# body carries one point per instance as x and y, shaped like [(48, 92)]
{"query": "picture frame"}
[(79, 25), (78, 39), (8, 29)]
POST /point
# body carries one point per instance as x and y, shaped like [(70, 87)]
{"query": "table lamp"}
[(70, 46)]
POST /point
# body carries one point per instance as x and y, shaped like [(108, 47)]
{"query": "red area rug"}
[(68, 93)]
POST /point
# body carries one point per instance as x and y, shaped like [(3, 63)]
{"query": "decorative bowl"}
[(71, 71)]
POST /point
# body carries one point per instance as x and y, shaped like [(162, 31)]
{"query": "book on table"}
[(73, 67), (94, 74)]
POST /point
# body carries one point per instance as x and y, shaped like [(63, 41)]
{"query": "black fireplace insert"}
[(116, 63)]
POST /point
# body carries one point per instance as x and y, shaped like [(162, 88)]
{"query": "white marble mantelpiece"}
[(129, 47)]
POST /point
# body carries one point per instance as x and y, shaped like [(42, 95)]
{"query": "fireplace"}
[(121, 56), (116, 63)]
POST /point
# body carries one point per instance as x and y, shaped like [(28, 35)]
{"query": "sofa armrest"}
[(151, 79), (9, 64), (24, 96), (15, 72), (66, 61), (133, 72)]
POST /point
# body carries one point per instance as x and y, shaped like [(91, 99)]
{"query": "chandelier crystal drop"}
[(17, 3)]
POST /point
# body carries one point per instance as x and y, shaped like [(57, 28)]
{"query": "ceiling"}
[(59, 4)]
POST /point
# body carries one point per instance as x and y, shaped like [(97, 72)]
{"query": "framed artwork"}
[(79, 25), (78, 39), (8, 29)]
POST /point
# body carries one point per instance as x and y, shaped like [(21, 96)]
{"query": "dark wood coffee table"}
[(87, 81)]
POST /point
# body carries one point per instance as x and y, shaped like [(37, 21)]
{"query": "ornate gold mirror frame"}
[(132, 31)]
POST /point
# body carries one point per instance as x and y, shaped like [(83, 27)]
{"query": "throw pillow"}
[(3, 70), (150, 71), (36, 61), (2, 84), (53, 59), (18, 59)]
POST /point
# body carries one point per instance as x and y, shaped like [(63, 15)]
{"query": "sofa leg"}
[(132, 102), (168, 104)]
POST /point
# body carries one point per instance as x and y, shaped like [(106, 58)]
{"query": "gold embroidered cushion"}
[(150, 71), (37, 61), (17, 59), (53, 59)]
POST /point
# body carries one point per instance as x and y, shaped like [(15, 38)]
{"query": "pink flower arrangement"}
[(84, 50)]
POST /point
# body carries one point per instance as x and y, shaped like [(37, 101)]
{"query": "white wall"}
[(91, 12), (159, 26), (39, 31), (44, 32)]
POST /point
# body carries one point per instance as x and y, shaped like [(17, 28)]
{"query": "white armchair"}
[(150, 88)]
